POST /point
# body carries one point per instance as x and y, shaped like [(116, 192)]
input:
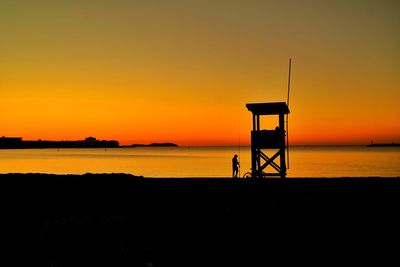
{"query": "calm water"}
[(333, 161)]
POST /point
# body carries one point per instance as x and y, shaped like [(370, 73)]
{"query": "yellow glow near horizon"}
[(182, 72)]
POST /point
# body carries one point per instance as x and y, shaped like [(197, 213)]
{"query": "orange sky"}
[(182, 71)]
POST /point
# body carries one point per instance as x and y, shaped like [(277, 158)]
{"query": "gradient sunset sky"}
[(182, 71)]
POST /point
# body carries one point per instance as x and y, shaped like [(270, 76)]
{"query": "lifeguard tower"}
[(271, 141)]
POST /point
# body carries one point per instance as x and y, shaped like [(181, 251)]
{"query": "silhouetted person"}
[(235, 166)]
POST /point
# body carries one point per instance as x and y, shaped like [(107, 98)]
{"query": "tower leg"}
[(253, 161), (282, 163), (282, 146)]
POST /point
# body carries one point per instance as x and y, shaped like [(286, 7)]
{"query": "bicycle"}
[(247, 175), (250, 174)]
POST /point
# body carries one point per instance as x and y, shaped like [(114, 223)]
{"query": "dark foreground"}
[(123, 220)]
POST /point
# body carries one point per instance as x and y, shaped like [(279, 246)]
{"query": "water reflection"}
[(318, 161)]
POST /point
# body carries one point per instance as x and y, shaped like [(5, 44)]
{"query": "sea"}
[(304, 161)]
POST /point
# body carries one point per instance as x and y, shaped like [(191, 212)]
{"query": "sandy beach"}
[(124, 220)]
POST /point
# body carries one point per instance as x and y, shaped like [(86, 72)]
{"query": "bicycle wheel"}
[(247, 175)]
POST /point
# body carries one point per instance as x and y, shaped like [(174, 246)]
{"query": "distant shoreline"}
[(89, 142), (383, 145), (152, 145), (197, 146)]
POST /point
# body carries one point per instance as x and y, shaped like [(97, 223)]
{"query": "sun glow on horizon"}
[(183, 72)]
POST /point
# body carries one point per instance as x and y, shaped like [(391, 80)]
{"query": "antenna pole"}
[(288, 90), (287, 116)]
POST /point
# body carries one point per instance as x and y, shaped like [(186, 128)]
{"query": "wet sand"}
[(123, 220)]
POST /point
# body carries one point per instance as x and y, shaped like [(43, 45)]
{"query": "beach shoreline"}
[(121, 219)]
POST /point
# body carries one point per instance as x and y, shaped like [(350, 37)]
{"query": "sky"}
[(182, 71)]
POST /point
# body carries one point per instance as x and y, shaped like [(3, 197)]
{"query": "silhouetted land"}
[(123, 220), (89, 142), (383, 145), (153, 145)]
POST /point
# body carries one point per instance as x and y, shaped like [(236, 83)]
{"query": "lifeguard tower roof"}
[(268, 108)]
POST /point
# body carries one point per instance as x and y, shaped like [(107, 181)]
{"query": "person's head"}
[(236, 156)]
